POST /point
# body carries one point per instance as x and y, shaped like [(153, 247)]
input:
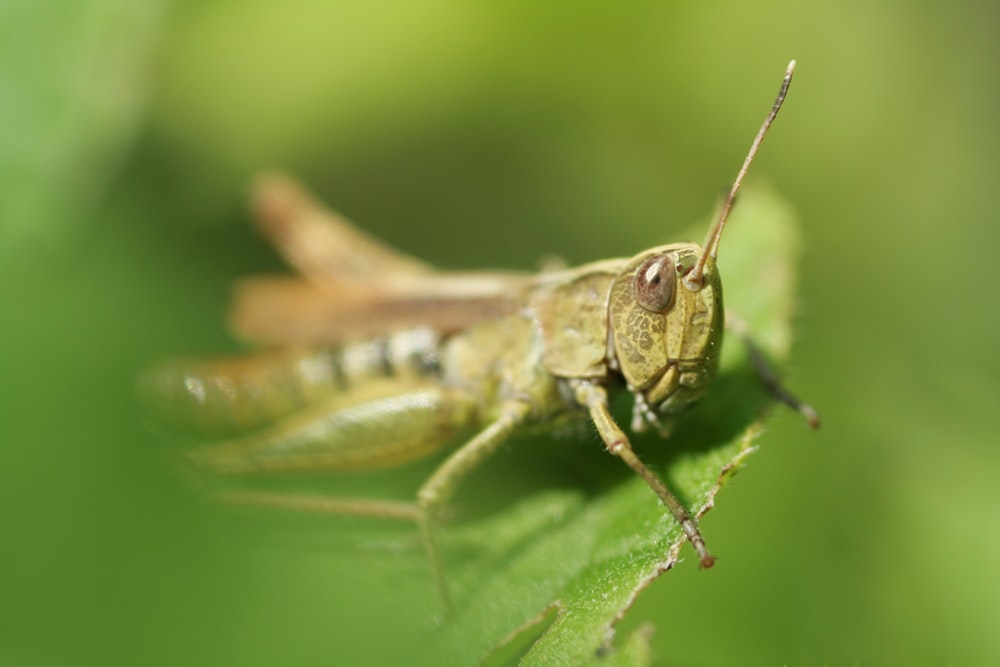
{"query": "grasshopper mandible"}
[(372, 357)]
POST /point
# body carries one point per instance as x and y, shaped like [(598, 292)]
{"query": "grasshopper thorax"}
[(666, 336)]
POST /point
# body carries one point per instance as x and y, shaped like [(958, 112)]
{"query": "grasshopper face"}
[(667, 334)]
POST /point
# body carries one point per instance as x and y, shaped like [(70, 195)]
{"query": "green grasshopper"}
[(372, 357)]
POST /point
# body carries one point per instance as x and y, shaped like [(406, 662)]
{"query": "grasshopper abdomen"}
[(234, 395)]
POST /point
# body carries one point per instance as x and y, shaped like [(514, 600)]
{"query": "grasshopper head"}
[(666, 310), (667, 331)]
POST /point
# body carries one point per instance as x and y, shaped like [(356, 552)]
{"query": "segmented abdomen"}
[(233, 395)]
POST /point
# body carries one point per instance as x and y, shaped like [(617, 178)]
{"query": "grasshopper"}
[(371, 357)]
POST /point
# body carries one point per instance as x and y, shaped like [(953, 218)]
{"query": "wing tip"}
[(276, 200)]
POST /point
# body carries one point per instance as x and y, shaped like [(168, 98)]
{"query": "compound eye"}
[(654, 283)]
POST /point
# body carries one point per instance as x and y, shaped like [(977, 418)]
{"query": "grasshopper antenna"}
[(695, 277)]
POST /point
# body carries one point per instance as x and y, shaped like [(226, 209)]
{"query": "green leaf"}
[(565, 566)]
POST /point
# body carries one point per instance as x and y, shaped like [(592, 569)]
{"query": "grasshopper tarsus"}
[(775, 387), (705, 559), (812, 417), (768, 377)]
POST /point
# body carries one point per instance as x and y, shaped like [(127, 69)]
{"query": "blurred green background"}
[(487, 134)]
